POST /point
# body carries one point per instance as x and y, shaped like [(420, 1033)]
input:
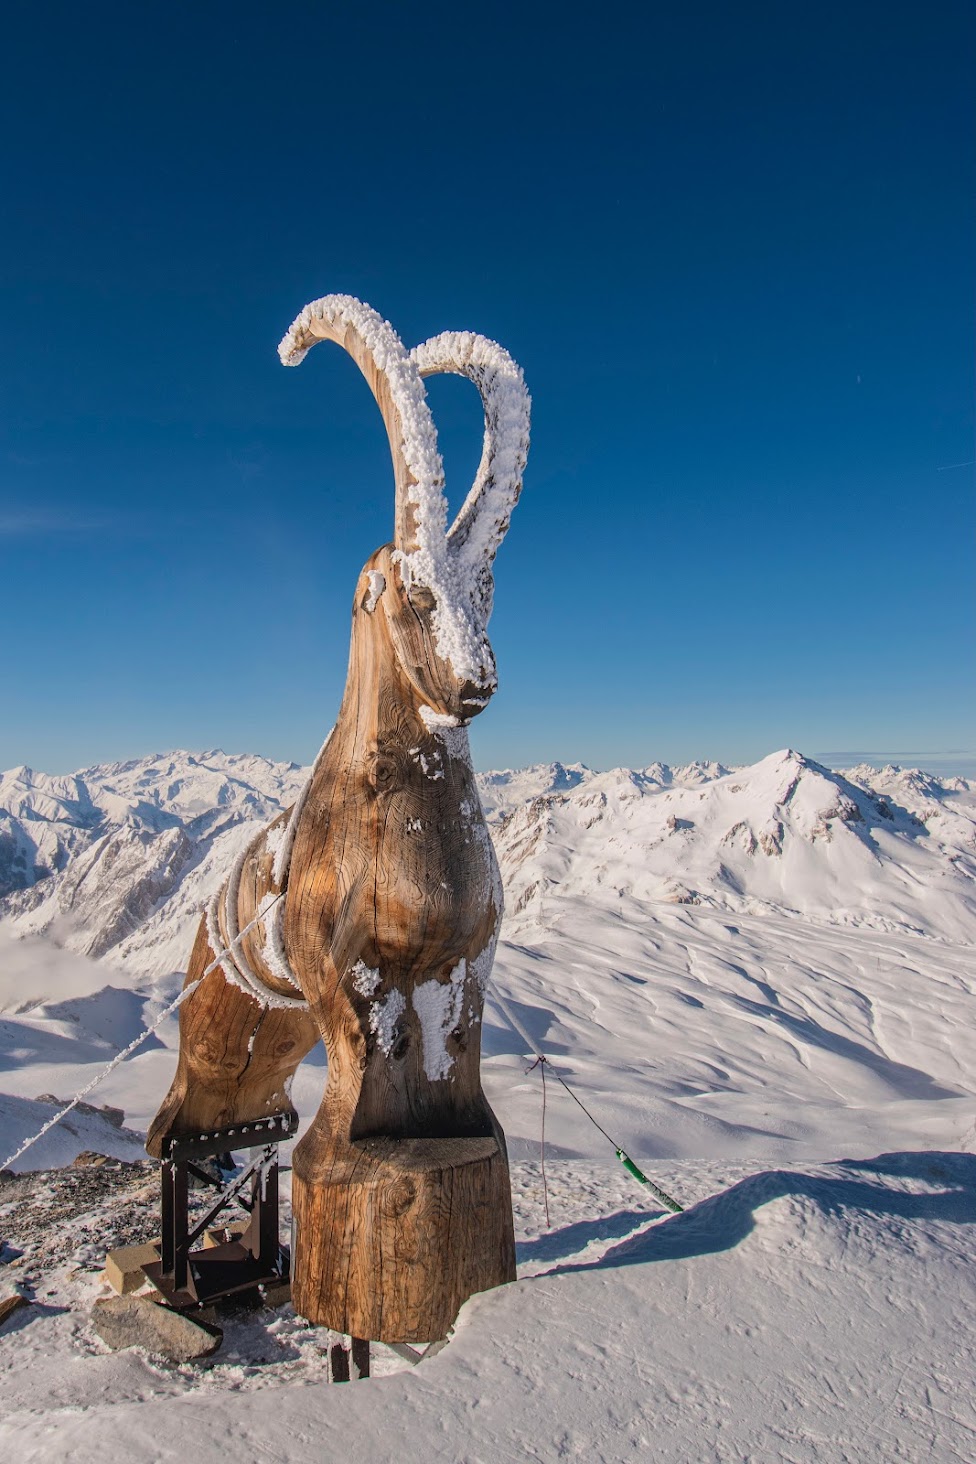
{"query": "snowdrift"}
[(816, 1315)]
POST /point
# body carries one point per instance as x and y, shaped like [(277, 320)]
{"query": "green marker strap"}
[(631, 1168)]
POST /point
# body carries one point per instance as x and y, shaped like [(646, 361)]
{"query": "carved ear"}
[(420, 513), (482, 521)]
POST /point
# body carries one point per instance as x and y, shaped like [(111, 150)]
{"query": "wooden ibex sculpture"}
[(384, 938)]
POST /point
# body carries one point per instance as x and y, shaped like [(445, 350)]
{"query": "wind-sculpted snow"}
[(820, 1314)]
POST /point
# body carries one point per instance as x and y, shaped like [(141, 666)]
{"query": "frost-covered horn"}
[(420, 514), (461, 573), (455, 565), (482, 521)]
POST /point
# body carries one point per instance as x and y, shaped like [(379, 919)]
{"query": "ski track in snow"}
[(759, 980)]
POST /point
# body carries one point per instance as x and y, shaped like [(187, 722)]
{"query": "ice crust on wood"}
[(377, 584), (438, 1005), (455, 564), (384, 1016), (483, 519), (365, 978)]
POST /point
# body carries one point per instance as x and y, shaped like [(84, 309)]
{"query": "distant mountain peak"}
[(120, 857)]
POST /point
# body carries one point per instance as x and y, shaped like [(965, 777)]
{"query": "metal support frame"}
[(189, 1278), (348, 1363)]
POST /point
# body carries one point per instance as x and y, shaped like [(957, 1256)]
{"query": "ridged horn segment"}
[(420, 513), (455, 566), (483, 518)]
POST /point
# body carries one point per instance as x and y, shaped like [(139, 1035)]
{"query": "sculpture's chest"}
[(399, 846)]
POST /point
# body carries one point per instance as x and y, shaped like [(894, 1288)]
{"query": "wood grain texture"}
[(401, 1187), (424, 1224), (236, 1057), (392, 867), (401, 1191), (347, 336), (392, 902)]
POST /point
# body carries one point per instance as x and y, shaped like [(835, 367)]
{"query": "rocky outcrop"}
[(134, 1321)]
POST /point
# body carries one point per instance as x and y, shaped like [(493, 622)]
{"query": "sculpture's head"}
[(434, 584)]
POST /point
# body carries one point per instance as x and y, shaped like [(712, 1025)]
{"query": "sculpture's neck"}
[(382, 711)]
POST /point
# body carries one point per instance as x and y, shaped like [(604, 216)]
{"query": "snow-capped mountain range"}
[(118, 859), (742, 973), (764, 961), (889, 850)]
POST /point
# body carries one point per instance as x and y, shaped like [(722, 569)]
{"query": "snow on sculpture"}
[(379, 895)]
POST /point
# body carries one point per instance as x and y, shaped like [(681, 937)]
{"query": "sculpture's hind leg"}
[(236, 1056)]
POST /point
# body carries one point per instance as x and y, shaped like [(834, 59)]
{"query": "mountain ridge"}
[(117, 859)]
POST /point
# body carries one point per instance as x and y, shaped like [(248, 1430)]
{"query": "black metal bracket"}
[(189, 1278), (340, 1357)]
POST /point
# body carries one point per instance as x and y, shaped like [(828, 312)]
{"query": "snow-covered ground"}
[(818, 1313), (749, 976)]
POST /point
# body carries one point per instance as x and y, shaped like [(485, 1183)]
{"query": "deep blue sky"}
[(731, 246)]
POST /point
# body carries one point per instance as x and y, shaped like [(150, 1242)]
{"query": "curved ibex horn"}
[(455, 566), (482, 521), (420, 514)]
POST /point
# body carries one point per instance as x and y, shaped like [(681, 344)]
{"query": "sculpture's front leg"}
[(400, 1188), (398, 1220)]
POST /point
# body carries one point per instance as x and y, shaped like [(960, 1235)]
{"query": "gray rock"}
[(134, 1321), (115, 1116)]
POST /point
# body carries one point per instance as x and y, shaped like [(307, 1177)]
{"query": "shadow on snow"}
[(721, 1222)]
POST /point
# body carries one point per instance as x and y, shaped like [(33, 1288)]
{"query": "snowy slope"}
[(691, 1034), (124, 842), (770, 962), (85, 1130), (817, 1315), (893, 851), (742, 973)]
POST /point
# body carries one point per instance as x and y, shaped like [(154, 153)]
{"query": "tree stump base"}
[(391, 1236)]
